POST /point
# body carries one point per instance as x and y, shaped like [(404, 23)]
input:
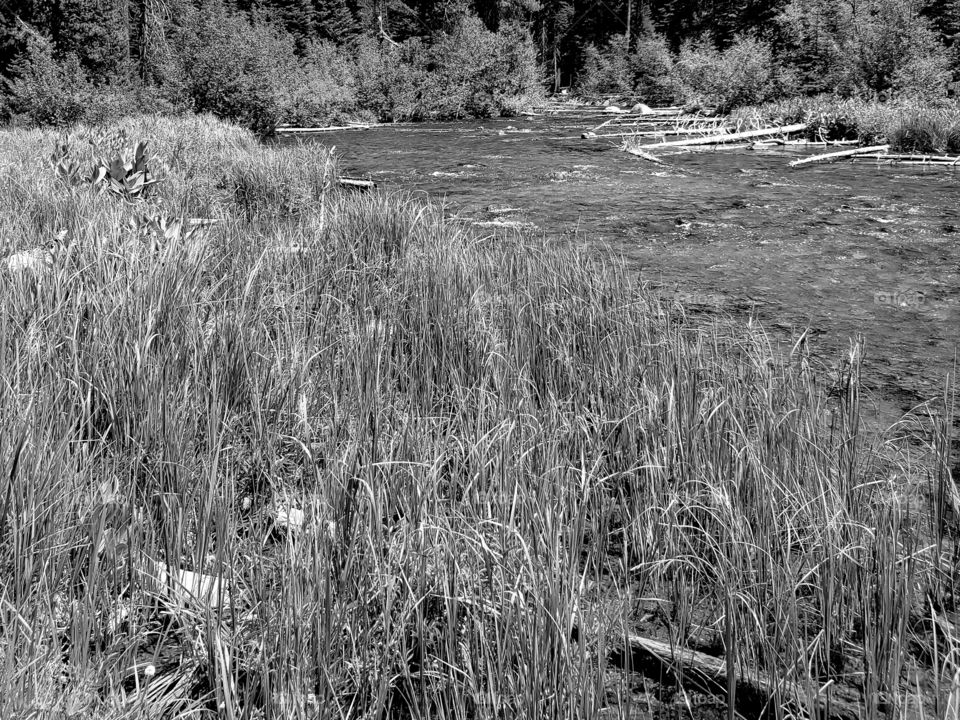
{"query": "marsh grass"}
[(504, 457), (906, 125)]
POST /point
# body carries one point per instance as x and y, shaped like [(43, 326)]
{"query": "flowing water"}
[(836, 249)]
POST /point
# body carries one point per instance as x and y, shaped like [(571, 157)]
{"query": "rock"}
[(612, 109), (587, 135), (291, 519), (641, 108), (37, 262), (185, 587)]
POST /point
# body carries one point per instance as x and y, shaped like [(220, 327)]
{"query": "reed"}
[(906, 125), (417, 472)]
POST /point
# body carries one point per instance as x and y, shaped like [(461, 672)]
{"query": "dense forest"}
[(264, 62)]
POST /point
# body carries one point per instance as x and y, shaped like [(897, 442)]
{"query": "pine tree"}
[(96, 31), (334, 21)]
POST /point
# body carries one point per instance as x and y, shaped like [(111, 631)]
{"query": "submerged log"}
[(752, 687), (642, 154), (729, 137), (840, 154)]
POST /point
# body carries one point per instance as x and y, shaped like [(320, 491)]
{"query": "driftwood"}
[(839, 154), (332, 128), (911, 159), (643, 154), (820, 142), (645, 133), (728, 137), (752, 688), (356, 184), (601, 125)]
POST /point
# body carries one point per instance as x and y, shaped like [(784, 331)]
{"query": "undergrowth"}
[(906, 125), (334, 456)]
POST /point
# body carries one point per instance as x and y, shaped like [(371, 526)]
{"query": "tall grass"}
[(420, 473), (906, 125)]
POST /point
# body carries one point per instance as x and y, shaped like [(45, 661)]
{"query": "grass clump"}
[(906, 125), (335, 456)]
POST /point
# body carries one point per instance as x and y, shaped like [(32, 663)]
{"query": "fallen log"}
[(649, 133), (839, 154), (601, 125), (356, 184), (821, 142), (908, 158), (752, 688), (332, 128), (729, 137), (642, 154)]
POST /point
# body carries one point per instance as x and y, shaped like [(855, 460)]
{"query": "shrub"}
[(238, 68), (468, 72), (328, 92), (866, 49), (924, 73), (46, 91), (516, 80), (653, 70), (465, 75), (743, 74), (906, 124), (389, 79), (608, 70)]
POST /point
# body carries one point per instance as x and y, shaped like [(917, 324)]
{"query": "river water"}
[(838, 249)]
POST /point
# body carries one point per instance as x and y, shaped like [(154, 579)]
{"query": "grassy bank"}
[(415, 472), (907, 126)]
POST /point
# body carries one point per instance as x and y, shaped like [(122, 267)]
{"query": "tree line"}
[(267, 61)]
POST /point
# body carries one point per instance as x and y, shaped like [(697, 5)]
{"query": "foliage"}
[(476, 72), (48, 91), (126, 174), (606, 71), (237, 67), (721, 80), (654, 70), (870, 48), (648, 70), (906, 124), (353, 455)]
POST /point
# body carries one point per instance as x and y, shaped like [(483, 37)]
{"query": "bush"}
[(470, 72), (606, 71), (390, 79), (654, 71), (328, 92), (906, 124), (238, 68), (743, 74), (45, 91), (515, 79), (866, 50)]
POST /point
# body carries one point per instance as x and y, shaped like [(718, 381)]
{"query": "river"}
[(836, 249)]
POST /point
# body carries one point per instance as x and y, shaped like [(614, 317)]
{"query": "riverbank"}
[(907, 126), (336, 455)]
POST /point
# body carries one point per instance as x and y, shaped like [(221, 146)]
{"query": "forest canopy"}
[(266, 62)]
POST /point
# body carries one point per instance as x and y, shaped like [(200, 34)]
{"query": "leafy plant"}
[(126, 175), (158, 231), (68, 169)]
